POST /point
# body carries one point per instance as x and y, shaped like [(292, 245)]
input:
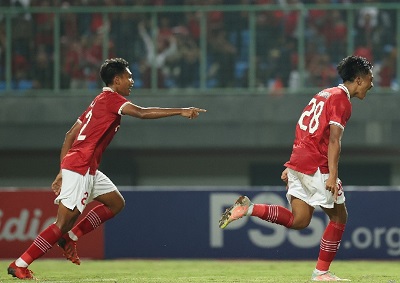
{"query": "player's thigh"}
[(312, 189), (107, 193), (295, 187), (102, 185), (302, 213)]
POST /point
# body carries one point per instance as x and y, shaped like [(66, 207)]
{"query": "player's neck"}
[(107, 88)]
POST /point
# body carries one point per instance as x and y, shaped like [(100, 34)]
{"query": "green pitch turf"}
[(202, 271)]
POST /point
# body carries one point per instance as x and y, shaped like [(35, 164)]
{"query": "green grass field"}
[(60, 271)]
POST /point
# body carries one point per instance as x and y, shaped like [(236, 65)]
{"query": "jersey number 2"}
[(314, 113), (88, 117)]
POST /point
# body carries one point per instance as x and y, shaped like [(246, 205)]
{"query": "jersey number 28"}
[(314, 113)]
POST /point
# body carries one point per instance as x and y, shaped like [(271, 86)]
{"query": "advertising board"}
[(25, 213), (184, 224)]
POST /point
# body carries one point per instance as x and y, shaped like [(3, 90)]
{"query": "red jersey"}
[(310, 148), (100, 122)]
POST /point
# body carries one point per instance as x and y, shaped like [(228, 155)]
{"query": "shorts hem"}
[(325, 205), (69, 206)]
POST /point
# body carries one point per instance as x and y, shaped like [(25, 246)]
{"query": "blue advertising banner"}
[(167, 223)]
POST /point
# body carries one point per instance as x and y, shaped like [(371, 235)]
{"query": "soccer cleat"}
[(20, 272), (236, 211), (327, 276), (69, 248)]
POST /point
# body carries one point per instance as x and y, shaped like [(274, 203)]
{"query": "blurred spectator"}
[(164, 27), (94, 58), (69, 23), (20, 68), (192, 21), (287, 60), (215, 19), (156, 55), (365, 51), (387, 68), (123, 32), (42, 70), (22, 31), (322, 73), (75, 64), (374, 26), (236, 25), (273, 76), (318, 17), (290, 19), (44, 27), (222, 56), (185, 62), (270, 25), (335, 32)]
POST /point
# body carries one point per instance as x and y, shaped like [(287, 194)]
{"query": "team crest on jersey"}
[(324, 94)]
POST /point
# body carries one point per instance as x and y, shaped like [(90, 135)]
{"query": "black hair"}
[(111, 68), (353, 66)]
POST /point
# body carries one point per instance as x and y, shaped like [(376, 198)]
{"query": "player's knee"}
[(300, 224), (64, 226), (342, 218), (340, 215), (66, 218), (118, 206), (121, 205)]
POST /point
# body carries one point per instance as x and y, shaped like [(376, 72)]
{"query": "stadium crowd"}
[(176, 49)]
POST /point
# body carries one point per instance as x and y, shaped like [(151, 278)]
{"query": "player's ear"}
[(117, 80)]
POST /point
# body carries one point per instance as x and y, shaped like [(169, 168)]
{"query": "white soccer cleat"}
[(236, 211), (327, 276)]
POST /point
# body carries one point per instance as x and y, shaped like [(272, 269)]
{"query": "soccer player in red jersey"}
[(311, 174), (79, 180)]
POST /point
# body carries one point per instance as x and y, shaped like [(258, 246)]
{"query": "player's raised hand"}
[(192, 112), (56, 185)]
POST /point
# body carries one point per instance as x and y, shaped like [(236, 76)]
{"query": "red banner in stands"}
[(24, 214)]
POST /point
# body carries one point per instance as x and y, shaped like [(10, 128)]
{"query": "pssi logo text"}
[(269, 235)]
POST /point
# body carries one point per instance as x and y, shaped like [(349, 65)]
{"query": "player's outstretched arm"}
[(158, 112), (192, 112)]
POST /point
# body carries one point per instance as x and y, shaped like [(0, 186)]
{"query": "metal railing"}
[(250, 83)]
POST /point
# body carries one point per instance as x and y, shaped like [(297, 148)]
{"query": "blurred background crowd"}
[(174, 46)]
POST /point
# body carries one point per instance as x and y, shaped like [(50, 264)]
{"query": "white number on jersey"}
[(314, 112), (88, 116)]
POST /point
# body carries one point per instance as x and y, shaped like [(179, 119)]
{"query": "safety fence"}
[(195, 49)]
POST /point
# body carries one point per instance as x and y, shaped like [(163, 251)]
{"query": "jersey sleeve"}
[(80, 119), (339, 111)]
